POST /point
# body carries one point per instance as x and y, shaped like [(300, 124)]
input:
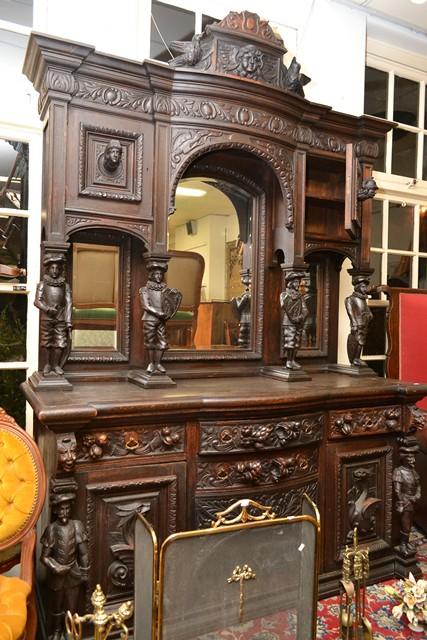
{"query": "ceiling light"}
[(190, 192), (418, 1)]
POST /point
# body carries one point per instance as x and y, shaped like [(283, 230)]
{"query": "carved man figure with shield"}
[(159, 303)]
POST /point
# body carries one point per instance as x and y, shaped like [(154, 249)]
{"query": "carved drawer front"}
[(358, 422), (150, 440), (284, 503), (112, 505), (236, 436), (250, 473)]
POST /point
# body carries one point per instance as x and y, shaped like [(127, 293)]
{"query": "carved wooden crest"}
[(241, 45)]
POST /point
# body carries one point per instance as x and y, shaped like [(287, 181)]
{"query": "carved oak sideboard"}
[(180, 456), (290, 191)]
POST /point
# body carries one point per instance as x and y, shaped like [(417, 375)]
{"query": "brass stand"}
[(354, 624), (103, 622)]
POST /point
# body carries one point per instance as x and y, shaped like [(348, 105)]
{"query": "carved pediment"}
[(241, 45)]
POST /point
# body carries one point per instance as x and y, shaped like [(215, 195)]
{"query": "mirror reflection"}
[(95, 296), (13, 174), (209, 240)]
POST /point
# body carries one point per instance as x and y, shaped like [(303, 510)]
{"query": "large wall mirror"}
[(100, 285), (210, 243)]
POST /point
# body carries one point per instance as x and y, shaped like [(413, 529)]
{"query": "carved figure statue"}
[(66, 449), (159, 303), (111, 159), (295, 313), (407, 488), (242, 305), (65, 554), (360, 316), (53, 298)]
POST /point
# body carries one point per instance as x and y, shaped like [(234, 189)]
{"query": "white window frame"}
[(33, 137)]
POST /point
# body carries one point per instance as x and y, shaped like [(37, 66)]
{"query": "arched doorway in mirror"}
[(210, 243)]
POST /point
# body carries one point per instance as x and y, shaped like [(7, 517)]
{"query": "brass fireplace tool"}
[(102, 621), (354, 625)]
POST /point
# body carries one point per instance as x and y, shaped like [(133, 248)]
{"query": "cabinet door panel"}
[(113, 498)]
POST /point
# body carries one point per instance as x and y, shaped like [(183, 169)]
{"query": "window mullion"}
[(390, 103)]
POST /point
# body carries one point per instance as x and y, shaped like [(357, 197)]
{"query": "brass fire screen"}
[(256, 575)]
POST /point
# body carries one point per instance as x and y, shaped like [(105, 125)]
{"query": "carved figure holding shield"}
[(295, 313), (159, 303)]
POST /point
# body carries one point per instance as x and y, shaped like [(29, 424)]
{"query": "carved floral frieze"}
[(255, 472), (105, 93), (283, 503), (262, 435), (133, 441), (363, 421)]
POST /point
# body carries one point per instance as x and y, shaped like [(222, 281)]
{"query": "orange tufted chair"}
[(22, 494)]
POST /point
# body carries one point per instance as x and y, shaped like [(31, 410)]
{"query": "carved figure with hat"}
[(407, 488), (295, 313), (360, 316), (53, 298), (65, 555), (159, 304)]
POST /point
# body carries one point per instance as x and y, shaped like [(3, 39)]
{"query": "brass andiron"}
[(354, 624), (102, 621)]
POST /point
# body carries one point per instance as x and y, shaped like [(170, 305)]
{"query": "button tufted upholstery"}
[(22, 493), (18, 484), (13, 607)]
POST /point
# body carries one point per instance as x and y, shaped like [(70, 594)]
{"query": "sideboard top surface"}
[(206, 397)]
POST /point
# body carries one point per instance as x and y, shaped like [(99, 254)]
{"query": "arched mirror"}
[(210, 243)]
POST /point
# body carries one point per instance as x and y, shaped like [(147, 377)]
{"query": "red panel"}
[(413, 339)]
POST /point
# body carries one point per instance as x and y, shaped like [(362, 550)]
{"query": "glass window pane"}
[(423, 229), (13, 248), (13, 174), (404, 153), (169, 23), (422, 273), (399, 270), (12, 399), (13, 331), (379, 162), (406, 99), (376, 266), (19, 11), (377, 223), (400, 226), (376, 92), (207, 20), (425, 159)]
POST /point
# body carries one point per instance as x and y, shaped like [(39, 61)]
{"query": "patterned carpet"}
[(379, 606)]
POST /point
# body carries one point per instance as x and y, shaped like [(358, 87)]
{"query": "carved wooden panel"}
[(363, 493), (130, 441), (257, 472), (99, 177), (364, 421), (113, 498), (262, 435), (284, 503)]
